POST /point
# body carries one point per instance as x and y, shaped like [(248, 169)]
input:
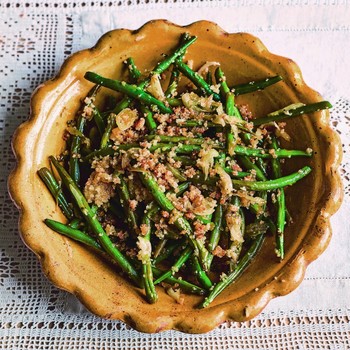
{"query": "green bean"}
[(260, 163), (185, 160), (181, 223), (56, 191), (177, 174), (228, 97), (281, 205), (124, 197), (151, 183), (221, 79), (261, 153), (236, 246), (199, 178), (94, 224), (168, 251), (249, 165), (185, 255), (185, 42), (204, 219), (173, 82), (201, 275), (230, 107), (121, 105), (100, 123), (107, 132), (135, 74), (147, 274), (87, 240), (196, 79), (287, 112), (74, 223), (191, 123), (240, 267), (258, 209), (159, 247), (256, 228), (150, 122), (182, 188), (177, 139), (273, 184), (236, 174), (185, 286), (174, 102), (73, 233), (255, 208), (129, 90), (255, 85), (215, 233), (209, 78), (179, 148), (74, 169)]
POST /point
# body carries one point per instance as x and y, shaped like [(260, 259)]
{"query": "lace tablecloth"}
[(35, 38)]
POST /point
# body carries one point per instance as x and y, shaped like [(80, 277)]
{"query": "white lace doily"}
[(36, 37)]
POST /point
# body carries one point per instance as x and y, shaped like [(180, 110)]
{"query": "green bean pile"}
[(174, 181)]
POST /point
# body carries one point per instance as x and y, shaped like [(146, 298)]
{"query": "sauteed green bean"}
[(177, 183)]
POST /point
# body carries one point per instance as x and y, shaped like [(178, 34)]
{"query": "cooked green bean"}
[(230, 107), (281, 205), (255, 85), (72, 233), (130, 90), (235, 247), (168, 251), (240, 267), (287, 112), (249, 165), (273, 184), (185, 42), (181, 223), (56, 191), (185, 255), (201, 275), (215, 233), (147, 273), (74, 169), (94, 224), (176, 173), (173, 83), (261, 153), (196, 79), (124, 197), (150, 122), (176, 139), (185, 286), (107, 132), (135, 74)]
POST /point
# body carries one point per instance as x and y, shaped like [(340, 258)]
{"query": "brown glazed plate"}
[(94, 281)]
